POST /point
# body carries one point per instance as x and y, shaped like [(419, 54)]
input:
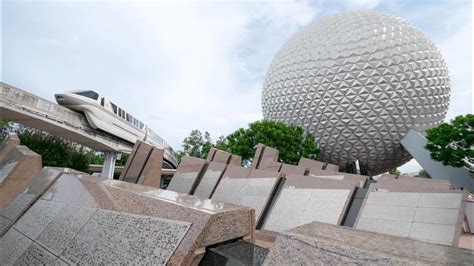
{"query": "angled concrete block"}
[(210, 154), (398, 213), (308, 163), (221, 157), (143, 165), (187, 175), (437, 233), (270, 165), (292, 169), (258, 156), (391, 227), (393, 198), (411, 185), (434, 217), (320, 243), (331, 167), (254, 191), (210, 179), (303, 199), (441, 200), (235, 160), (437, 216), (270, 154), (151, 174), (133, 171)]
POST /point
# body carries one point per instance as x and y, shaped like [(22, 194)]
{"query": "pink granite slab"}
[(270, 165), (255, 190), (236, 172), (7, 145), (292, 169), (132, 172), (332, 167), (151, 174), (210, 179), (28, 164), (212, 222), (187, 175), (210, 154), (258, 156), (129, 161), (221, 157), (235, 160), (308, 163)]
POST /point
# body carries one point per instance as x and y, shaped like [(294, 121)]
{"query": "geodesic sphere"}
[(358, 81)]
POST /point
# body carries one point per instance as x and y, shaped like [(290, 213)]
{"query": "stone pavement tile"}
[(12, 245)]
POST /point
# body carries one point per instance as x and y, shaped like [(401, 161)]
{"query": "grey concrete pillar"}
[(415, 144), (108, 168)]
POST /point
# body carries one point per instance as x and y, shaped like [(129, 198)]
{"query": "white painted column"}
[(108, 168)]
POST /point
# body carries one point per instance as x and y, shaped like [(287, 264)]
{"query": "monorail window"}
[(89, 94), (102, 101), (114, 107), (129, 118)]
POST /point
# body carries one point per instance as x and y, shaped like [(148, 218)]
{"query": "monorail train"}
[(105, 115)]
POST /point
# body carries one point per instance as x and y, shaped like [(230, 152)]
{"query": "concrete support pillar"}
[(109, 165)]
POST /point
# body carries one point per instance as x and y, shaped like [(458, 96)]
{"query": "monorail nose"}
[(59, 98), (62, 99)]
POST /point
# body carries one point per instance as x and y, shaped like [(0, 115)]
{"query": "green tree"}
[(4, 126), (56, 151), (394, 171), (196, 144), (453, 143), (290, 140), (98, 158), (423, 174)]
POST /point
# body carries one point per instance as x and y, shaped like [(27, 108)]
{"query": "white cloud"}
[(457, 53), (204, 87), (361, 4)]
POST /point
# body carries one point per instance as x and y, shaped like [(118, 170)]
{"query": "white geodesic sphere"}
[(358, 81)]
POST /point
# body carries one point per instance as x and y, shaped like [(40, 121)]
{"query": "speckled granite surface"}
[(29, 195), (319, 243), (210, 222)]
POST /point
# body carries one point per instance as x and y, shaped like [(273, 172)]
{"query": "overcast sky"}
[(183, 66)]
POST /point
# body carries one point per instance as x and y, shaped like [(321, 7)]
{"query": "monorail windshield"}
[(89, 94)]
